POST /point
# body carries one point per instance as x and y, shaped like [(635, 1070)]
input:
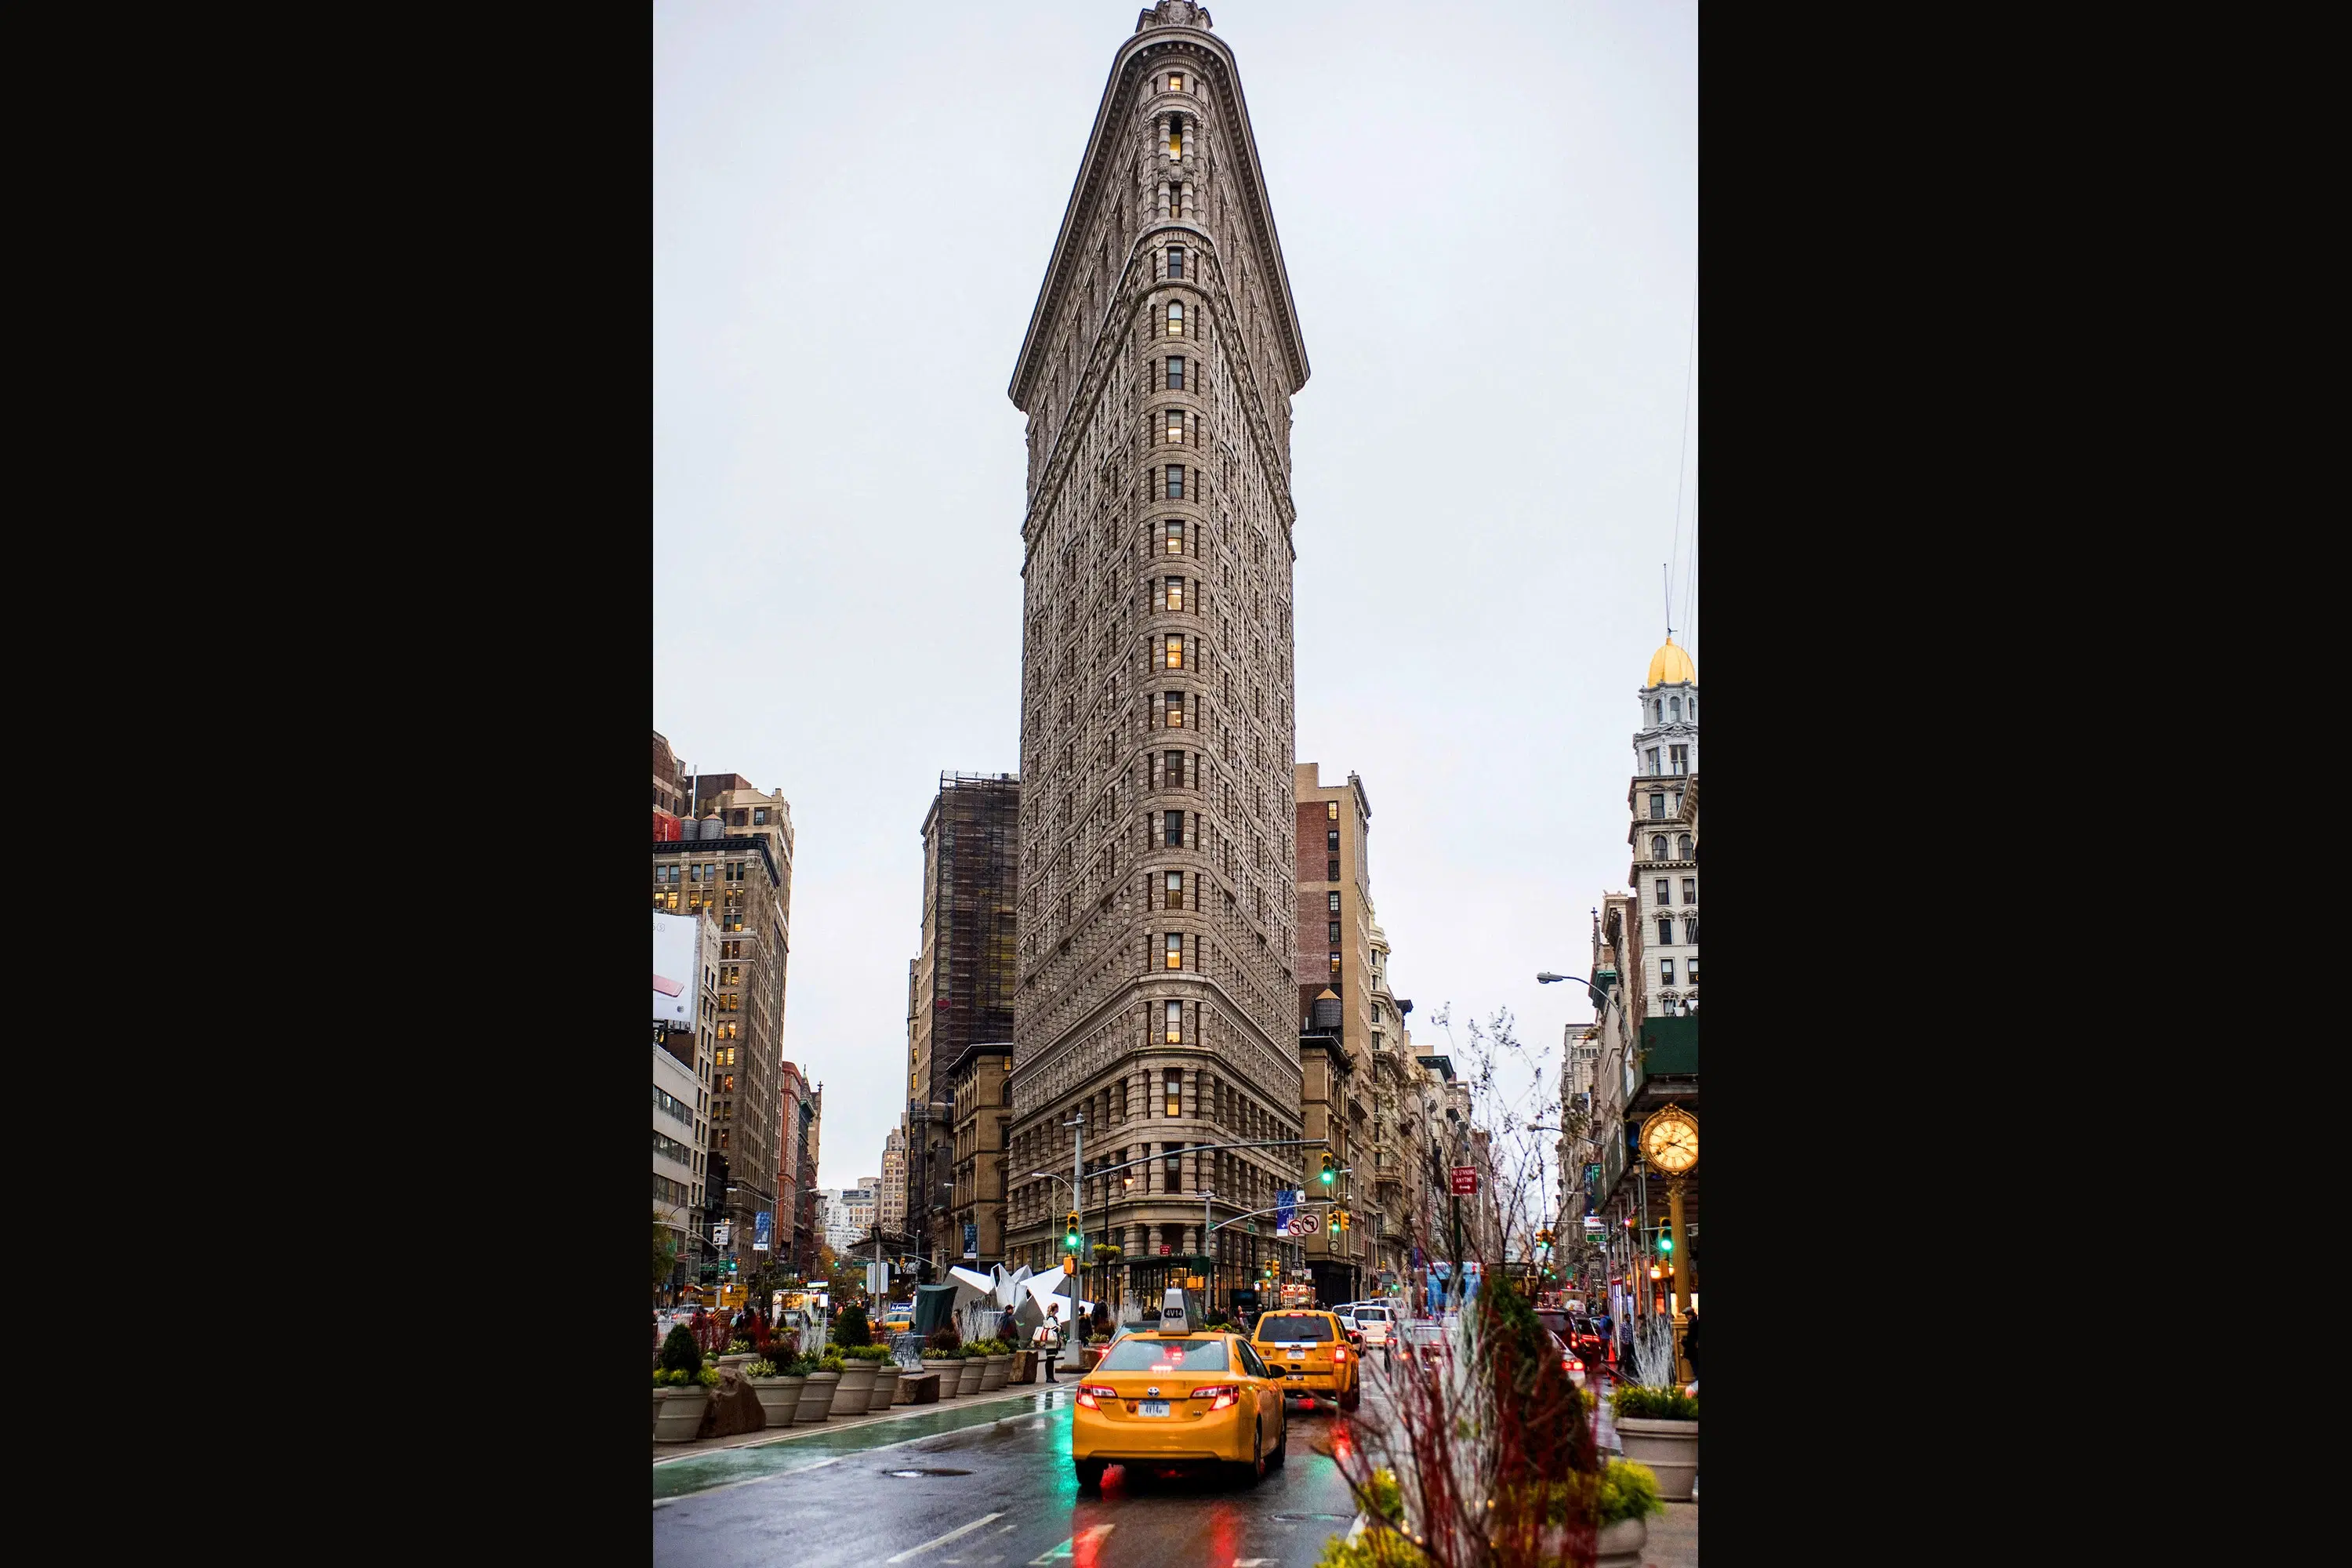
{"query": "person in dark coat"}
[(1690, 1341), (1008, 1328), (1101, 1321)]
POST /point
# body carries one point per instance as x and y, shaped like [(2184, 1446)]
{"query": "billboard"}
[(763, 1227), (676, 960)]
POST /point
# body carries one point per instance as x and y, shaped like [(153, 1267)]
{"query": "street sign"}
[(720, 1234), (1302, 1223), (1465, 1181), (1165, 1250)]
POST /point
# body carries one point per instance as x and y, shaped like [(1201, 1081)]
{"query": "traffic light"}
[(1665, 1242), (1331, 1170), (1071, 1241), (1344, 1218)]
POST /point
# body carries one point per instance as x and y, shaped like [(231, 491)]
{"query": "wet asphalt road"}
[(999, 1493)]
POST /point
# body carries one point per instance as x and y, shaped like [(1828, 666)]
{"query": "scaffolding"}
[(975, 822)]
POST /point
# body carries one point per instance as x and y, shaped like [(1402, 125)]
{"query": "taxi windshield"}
[(1295, 1327), (1137, 1354)]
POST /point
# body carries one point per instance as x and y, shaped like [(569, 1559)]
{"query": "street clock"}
[(1670, 1140)]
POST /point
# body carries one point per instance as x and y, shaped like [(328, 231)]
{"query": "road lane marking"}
[(1062, 1552), (961, 1529)]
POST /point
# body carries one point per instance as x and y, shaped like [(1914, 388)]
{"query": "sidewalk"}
[(666, 1452), (1673, 1540)]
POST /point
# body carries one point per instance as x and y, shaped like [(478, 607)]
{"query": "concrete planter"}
[(1668, 1447), (968, 1378), (950, 1373), (681, 1414), (817, 1398), (780, 1397), (660, 1395), (1619, 1545), (993, 1371), (886, 1386), (856, 1390), (725, 1362)]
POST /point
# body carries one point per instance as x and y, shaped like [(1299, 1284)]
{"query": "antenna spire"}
[(1667, 577)]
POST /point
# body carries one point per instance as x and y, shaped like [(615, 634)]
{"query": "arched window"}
[(1675, 706), (1657, 846), (1682, 848), (1658, 712), (1176, 323)]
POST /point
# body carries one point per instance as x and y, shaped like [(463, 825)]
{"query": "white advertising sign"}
[(676, 984)]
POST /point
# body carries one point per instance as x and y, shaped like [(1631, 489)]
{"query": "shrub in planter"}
[(680, 1352), (1653, 1404), (680, 1416), (1659, 1426), (944, 1341), (852, 1328), (816, 1396)]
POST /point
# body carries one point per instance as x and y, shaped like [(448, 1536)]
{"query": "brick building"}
[(1157, 904), (959, 992)]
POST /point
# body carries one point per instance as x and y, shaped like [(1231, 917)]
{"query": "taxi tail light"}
[(1338, 1352), (1223, 1395), (1091, 1392)]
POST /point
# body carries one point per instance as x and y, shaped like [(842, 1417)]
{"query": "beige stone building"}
[(890, 1206), (737, 865), (1157, 985)]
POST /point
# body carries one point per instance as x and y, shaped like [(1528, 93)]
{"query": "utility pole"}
[(1077, 1199)]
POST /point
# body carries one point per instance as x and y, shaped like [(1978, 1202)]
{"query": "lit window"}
[(1175, 528), (1175, 483), (1175, 651), (1175, 373), (1175, 886), (1176, 269), (1175, 426), (1175, 320), (1335, 902), (1335, 968), (1175, 710), (1174, 1079), (1175, 1038), (1176, 82), (1331, 811), (1175, 949), (1175, 592)]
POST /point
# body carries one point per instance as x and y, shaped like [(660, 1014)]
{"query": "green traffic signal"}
[(1331, 1170), (1665, 1242)]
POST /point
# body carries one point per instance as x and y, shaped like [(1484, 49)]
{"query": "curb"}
[(671, 1453)]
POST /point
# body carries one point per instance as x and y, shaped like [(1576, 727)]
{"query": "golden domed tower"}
[(1664, 837)]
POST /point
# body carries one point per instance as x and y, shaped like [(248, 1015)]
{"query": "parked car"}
[(1426, 1340), (1569, 1361)]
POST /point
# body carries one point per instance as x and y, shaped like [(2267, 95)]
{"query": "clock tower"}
[(1663, 801)]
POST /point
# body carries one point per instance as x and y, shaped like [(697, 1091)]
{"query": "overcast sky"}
[(1489, 216)]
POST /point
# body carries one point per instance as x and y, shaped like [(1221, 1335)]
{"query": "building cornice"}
[(1128, 67)]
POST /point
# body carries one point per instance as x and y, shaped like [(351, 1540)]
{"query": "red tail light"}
[(1221, 1395), (1337, 1353), (1091, 1392)]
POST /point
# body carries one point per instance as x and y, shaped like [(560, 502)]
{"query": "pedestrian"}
[(1102, 1321), (1008, 1328), (1690, 1341), (1048, 1337)]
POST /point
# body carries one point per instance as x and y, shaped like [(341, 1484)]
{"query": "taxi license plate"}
[(1298, 1355), (1152, 1407)]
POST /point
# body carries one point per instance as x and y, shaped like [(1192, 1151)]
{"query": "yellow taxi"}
[(1179, 1395), (1310, 1352)]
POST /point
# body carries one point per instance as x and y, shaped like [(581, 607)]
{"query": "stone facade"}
[(1661, 800), (1157, 899), (1333, 867)]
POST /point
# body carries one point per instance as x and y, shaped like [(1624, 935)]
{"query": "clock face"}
[(1672, 1144)]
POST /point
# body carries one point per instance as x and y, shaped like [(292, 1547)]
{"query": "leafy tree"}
[(664, 1252)]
